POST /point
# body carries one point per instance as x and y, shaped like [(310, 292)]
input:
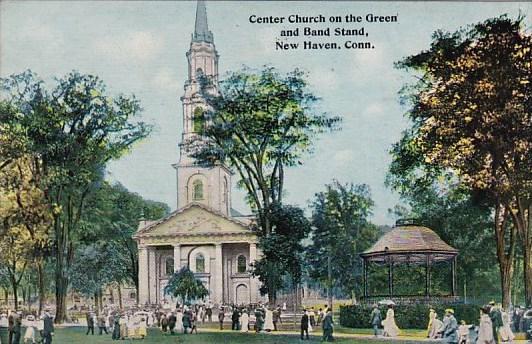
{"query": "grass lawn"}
[(77, 335)]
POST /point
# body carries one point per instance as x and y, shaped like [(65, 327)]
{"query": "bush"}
[(406, 316)]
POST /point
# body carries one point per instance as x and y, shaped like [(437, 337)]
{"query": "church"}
[(204, 233)]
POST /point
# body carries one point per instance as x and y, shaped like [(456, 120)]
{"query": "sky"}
[(139, 48)]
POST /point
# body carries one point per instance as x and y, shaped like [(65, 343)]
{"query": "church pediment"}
[(193, 219)]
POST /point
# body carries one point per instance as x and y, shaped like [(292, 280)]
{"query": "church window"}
[(197, 190), (241, 262), (200, 263), (198, 120), (169, 266)]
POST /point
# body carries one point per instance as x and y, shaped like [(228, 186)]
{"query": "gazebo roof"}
[(410, 244)]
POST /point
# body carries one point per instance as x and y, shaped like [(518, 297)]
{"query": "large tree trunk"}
[(120, 296), (96, 303), (522, 220), (505, 252), (527, 263), (14, 286), (40, 286)]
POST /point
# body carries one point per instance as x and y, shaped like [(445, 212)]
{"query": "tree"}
[(259, 123), (96, 266), (465, 223), (26, 221), (75, 129), (340, 230), (471, 114), (184, 285), (112, 215), (282, 250)]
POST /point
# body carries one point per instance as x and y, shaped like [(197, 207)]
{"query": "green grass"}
[(77, 335)]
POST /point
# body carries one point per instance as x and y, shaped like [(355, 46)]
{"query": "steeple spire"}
[(201, 30)]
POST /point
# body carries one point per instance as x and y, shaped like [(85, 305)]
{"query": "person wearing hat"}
[(485, 332), (450, 327), (376, 319), (496, 320), (304, 325), (48, 327)]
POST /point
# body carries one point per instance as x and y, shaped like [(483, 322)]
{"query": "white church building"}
[(204, 232)]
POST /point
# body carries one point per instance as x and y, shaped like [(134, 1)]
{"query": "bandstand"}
[(413, 245)]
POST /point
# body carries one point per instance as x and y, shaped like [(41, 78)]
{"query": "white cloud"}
[(140, 46)]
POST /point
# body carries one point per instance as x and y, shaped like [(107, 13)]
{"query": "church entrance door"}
[(242, 295)]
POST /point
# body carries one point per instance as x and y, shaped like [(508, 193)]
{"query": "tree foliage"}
[(471, 114), (26, 220), (184, 285), (341, 230), (74, 128), (282, 250), (111, 218), (259, 123)]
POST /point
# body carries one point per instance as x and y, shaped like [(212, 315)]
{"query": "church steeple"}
[(210, 186), (201, 29)]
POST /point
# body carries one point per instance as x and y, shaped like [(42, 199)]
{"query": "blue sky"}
[(139, 47)]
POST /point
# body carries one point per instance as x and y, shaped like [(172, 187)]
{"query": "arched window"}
[(200, 263), (197, 190), (169, 266), (198, 120), (241, 264)]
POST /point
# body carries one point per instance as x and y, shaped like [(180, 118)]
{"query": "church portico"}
[(223, 267)]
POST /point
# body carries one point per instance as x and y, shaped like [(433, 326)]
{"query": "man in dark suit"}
[(17, 328), (304, 325), (90, 323), (172, 319), (328, 327), (496, 320), (48, 327), (10, 325), (235, 319)]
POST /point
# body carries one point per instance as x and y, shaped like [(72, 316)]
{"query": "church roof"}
[(201, 29), (153, 224)]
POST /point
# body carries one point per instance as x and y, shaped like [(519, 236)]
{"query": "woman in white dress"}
[(244, 321), (390, 327), (268, 320), (179, 321), (485, 330), (436, 327), (506, 332), (29, 336)]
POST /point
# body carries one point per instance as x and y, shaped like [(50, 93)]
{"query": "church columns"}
[(252, 280), (143, 275), (177, 257), (152, 276), (218, 287)]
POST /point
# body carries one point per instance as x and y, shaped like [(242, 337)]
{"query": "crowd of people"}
[(311, 319), (494, 323), (38, 329)]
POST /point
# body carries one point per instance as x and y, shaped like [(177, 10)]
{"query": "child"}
[(463, 332)]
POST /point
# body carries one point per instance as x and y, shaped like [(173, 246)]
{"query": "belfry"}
[(204, 233)]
